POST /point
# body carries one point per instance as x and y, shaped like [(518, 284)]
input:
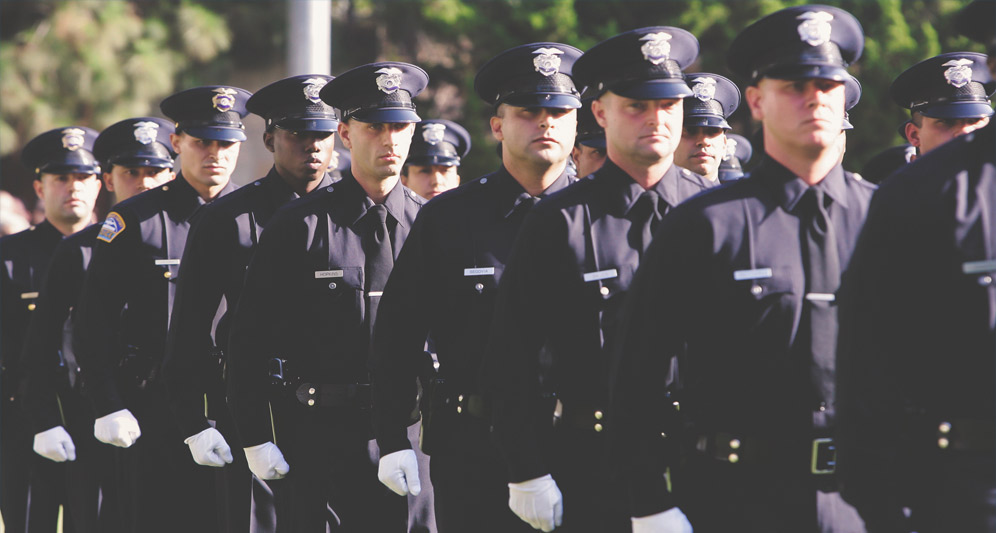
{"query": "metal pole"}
[(309, 37)]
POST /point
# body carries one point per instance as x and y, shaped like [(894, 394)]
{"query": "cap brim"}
[(132, 162), (308, 124), (653, 89), (802, 72), (558, 101), (956, 110), (216, 133), (386, 116), (706, 121), (593, 142), (68, 168), (426, 161)]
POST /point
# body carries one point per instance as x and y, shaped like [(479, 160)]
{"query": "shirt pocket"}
[(342, 294)]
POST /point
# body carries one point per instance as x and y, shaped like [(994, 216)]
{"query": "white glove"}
[(55, 444), (209, 448), (119, 428), (266, 461), (537, 502), (399, 471), (670, 521)]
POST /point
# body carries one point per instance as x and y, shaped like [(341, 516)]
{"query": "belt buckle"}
[(824, 457)]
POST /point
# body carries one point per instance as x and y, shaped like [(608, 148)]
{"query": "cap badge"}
[(224, 99), (146, 132), (704, 88), (72, 139), (546, 61), (657, 48), (433, 133), (313, 86), (389, 80), (815, 27), (731, 149), (958, 73)]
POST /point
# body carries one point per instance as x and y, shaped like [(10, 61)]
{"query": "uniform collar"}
[(509, 189), (283, 189), (789, 188), (395, 201), (630, 191)]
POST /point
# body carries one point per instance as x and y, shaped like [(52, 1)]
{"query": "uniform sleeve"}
[(106, 287), (188, 367), (868, 408), (530, 298), (44, 338), (399, 341), (259, 325), (651, 333)]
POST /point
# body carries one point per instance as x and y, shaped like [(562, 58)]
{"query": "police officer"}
[(67, 183), (134, 155), (564, 280), (124, 308), (915, 364), (300, 131), (434, 160), (703, 135), (302, 330), (763, 258), (947, 95), (444, 283), (884, 163), (737, 153), (852, 95), (589, 145)]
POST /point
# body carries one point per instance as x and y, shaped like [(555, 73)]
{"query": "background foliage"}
[(99, 61)]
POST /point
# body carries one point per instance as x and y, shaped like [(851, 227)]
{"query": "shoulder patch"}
[(112, 227)]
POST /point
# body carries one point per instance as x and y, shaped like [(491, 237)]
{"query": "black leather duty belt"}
[(355, 395), (733, 449)]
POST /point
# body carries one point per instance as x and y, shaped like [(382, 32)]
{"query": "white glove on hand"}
[(55, 444), (209, 448), (537, 502), (399, 471), (119, 428), (266, 461), (670, 521)]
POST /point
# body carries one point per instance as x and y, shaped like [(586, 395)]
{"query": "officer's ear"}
[(108, 182), (753, 98), (39, 190), (598, 110), (496, 123), (174, 141), (913, 134), (268, 139), (343, 131)]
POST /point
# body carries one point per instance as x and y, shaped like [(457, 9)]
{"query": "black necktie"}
[(819, 318), (379, 256), (645, 217), (523, 203)]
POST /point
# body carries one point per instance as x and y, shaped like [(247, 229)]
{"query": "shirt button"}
[(598, 428), (167, 274), (604, 291), (311, 402), (311, 390), (598, 415), (985, 280), (735, 444), (479, 286), (484, 180), (332, 285), (165, 187), (756, 289), (31, 307), (329, 189)]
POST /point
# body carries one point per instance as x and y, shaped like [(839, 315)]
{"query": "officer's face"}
[(301, 156), (587, 159), (933, 132), (799, 116), (377, 150), (701, 150), (205, 162), (430, 180), (639, 132), (126, 182), (68, 199), (535, 136)]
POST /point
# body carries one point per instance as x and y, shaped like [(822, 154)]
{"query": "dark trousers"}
[(719, 496), (89, 480), (160, 486), (15, 466), (957, 492), (332, 484), (471, 482), (244, 502), (593, 502)]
